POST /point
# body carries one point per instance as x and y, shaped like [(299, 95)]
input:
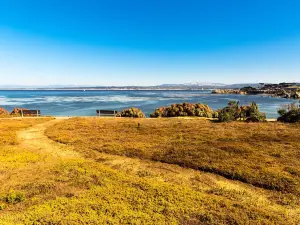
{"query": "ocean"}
[(85, 103)]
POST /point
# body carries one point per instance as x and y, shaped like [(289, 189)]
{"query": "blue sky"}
[(138, 42)]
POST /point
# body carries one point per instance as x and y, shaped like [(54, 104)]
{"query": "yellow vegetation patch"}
[(262, 154), (9, 127), (116, 198), (48, 183), (12, 157)]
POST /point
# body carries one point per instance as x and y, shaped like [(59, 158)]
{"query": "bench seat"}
[(28, 112), (107, 113)]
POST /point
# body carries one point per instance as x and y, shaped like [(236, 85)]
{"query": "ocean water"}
[(85, 103)]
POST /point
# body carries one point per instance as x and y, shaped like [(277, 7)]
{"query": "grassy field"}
[(262, 154), (110, 173)]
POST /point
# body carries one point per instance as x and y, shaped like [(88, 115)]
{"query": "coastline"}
[(104, 89), (62, 102), (70, 117)]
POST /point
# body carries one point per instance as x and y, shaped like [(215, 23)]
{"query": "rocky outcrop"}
[(226, 91), (275, 92), (295, 95), (229, 91), (287, 94)]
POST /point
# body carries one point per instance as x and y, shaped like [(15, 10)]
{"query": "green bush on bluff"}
[(132, 112), (184, 109), (289, 113), (233, 111)]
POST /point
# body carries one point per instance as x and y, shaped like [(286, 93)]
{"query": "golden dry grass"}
[(57, 186), (262, 154), (9, 127)]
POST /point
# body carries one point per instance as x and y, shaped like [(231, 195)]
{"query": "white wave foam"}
[(69, 99), (184, 95)]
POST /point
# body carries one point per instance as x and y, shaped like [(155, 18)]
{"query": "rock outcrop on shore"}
[(272, 90), (288, 94), (296, 95), (228, 91), (284, 93)]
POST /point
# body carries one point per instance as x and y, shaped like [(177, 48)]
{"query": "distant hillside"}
[(210, 85), (238, 86), (195, 84), (185, 86)]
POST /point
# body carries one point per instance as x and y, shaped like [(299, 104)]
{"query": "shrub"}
[(254, 115), (289, 113), (230, 112), (184, 109), (234, 112), (17, 112), (14, 197), (2, 206), (132, 112), (3, 112)]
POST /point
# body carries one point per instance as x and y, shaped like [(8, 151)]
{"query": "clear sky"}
[(148, 42)]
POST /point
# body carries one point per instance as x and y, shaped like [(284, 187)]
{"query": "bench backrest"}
[(106, 112), (31, 112)]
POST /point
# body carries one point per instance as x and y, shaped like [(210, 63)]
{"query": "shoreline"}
[(105, 89), (70, 117)]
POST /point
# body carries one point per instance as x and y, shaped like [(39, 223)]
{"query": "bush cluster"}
[(289, 113), (13, 197), (3, 112), (234, 111), (132, 112), (185, 109), (16, 111)]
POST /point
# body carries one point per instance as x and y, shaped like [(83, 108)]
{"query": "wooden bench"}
[(107, 113), (30, 112)]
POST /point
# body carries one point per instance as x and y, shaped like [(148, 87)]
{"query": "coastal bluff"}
[(282, 90)]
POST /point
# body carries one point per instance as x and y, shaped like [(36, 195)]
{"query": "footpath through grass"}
[(49, 185)]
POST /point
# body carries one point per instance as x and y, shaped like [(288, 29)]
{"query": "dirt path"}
[(34, 138)]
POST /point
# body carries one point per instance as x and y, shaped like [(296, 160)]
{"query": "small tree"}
[(289, 113), (230, 113), (254, 114), (233, 111)]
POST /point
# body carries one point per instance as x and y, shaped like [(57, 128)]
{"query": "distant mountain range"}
[(185, 86), (211, 85), (198, 84)]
